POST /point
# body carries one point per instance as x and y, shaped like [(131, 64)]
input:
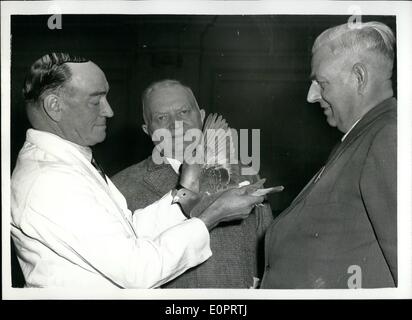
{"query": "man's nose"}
[(107, 110), (314, 93), (176, 124)]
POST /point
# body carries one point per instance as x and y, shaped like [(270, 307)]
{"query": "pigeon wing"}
[(218, 142)]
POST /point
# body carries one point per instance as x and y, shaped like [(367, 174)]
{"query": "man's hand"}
[(232, 204)]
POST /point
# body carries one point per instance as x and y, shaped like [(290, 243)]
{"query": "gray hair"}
[(372, 36), (166, 83)]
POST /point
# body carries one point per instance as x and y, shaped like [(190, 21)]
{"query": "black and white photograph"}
[(206, 149)]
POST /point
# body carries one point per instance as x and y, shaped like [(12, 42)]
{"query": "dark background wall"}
[(252, 69)]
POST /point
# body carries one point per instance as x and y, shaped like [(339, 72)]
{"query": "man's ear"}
[(202, 114), (52, 106), (145, 129), (361, 75)]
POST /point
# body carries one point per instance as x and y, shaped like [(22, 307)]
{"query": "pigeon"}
[(211, 172), (186, 199), (193, 204), (219, 153), (204, 181)]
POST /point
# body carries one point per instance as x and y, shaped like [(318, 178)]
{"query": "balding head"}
[(166, 84), (351, 71), (66, 96), (170, 105), (371, 42), (47, 75)]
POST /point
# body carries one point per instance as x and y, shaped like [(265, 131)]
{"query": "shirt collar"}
[(35, 134), (86, 151), (353, 126), (174, 163)]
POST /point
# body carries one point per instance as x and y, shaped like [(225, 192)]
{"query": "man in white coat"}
[(70, 225)]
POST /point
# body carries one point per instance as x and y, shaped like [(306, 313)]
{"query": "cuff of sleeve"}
[(168, 197), (202, 232)]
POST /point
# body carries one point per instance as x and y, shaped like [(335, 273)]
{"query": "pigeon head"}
[(186, 199), (181, 195)]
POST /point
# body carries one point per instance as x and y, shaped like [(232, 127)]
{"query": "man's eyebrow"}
[(156, 113), (99, 93), (313, 77)]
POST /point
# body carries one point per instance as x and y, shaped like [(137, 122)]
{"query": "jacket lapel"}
[(65, 152), (357, 131), (160, 178), (338, 150), (73, 157)]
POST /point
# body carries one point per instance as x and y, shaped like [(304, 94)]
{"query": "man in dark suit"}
[(341, 230), (237, 247)]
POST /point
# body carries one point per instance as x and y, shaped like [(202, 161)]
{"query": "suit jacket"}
[(237, 247), (344, 220)]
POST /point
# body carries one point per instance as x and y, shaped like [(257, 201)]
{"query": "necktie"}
[(98, 168)]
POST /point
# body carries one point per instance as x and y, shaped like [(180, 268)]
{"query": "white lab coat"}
[(71, 229)]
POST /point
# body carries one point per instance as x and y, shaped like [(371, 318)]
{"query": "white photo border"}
[(402, 11)]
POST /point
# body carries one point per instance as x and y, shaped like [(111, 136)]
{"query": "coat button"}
[(267, 266), (316, 235)]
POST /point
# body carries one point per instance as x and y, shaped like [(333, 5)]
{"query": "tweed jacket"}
[(345, 219), (237, 247)]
